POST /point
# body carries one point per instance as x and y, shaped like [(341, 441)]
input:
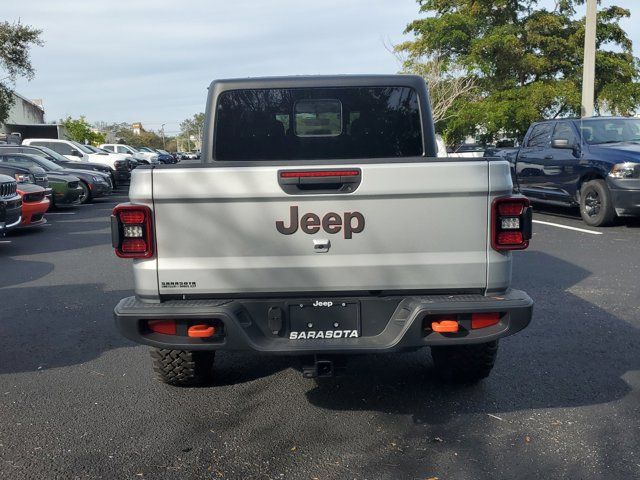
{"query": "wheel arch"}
[(587, 177)]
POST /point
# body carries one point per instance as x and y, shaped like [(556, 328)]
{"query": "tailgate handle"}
[(303, 182)]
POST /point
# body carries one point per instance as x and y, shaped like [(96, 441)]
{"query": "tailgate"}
[(409, 226)]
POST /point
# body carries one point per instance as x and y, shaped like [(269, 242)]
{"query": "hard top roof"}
[(318, 81)]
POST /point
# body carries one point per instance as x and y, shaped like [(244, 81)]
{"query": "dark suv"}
[(10, 204)]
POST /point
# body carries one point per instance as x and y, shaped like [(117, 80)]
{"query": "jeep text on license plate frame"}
[(324, 319)]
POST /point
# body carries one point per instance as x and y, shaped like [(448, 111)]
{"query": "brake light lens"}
[(132, 231), (511, 223), (166, 327), (483, 320), (319, 173)]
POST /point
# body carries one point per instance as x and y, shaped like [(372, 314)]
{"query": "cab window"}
[(540, 136), (564, 131)]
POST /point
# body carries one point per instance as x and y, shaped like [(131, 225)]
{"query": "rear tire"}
[(464, 363), (596, 205), (183, 368)]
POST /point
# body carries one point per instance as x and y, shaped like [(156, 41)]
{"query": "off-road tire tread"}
[(182, 367), (464, 363)]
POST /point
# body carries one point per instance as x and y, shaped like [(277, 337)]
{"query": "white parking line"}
[(5, 241), (567, 227), (60, 213)]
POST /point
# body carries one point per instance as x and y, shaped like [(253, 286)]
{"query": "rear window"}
[(318, 123)]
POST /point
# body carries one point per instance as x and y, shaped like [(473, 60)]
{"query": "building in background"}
[(26, 120)]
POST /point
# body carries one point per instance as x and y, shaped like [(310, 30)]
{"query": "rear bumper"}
[(387, 324)]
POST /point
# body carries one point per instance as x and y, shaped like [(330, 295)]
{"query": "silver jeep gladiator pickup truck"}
[(321, 223)]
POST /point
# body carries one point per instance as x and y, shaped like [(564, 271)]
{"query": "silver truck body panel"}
[(144, 270), (427, 228)]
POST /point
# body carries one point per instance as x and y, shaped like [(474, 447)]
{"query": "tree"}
[(15, 41), (526, 61), (193, 127), (124, 134), (447, 83), (80, 130)]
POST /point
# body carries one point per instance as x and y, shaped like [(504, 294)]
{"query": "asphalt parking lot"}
[(79, 401)]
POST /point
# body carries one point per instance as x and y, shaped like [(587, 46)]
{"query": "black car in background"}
[(171, 158), (93, 184), (35, 175), (10, 204), (164, 157), (61, 160), (61, 189)]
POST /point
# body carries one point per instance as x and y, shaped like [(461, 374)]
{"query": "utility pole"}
[(162, 130), (589, 65)]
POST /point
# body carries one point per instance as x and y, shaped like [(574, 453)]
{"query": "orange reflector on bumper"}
[(483, 320), (445, 326), (201, 331)]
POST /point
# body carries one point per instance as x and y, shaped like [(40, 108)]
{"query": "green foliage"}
[(526, 60), (145, 139), (80, 130), (123, 133), (15, 41), (193, 126)]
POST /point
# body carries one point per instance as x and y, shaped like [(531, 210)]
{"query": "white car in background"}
[(127, 149), (77, 152)]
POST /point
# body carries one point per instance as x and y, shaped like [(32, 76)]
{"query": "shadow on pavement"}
[(56, 326), (572, 354)]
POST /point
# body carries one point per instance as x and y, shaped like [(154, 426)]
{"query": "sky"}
[(151, 61)]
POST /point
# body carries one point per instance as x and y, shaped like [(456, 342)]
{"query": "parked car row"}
[(35, 178), (195, 155), (142, 154)]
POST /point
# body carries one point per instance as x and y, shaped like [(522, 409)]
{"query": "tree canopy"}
[(15, 41), (525, 60), (192, 129), (81, 131)]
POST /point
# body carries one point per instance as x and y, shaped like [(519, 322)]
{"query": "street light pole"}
[(164, 147), (589, 65)]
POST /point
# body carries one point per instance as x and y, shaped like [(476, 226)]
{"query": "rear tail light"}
[(319, 173), (132, 231), (511, 223)]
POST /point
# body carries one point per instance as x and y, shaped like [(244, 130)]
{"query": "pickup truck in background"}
[(322, 224), (593, 163), (128, 150)]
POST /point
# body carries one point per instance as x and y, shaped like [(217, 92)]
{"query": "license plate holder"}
[(315, 319)]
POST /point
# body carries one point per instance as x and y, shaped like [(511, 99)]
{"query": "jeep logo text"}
[(331, 223), (318, 303)]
